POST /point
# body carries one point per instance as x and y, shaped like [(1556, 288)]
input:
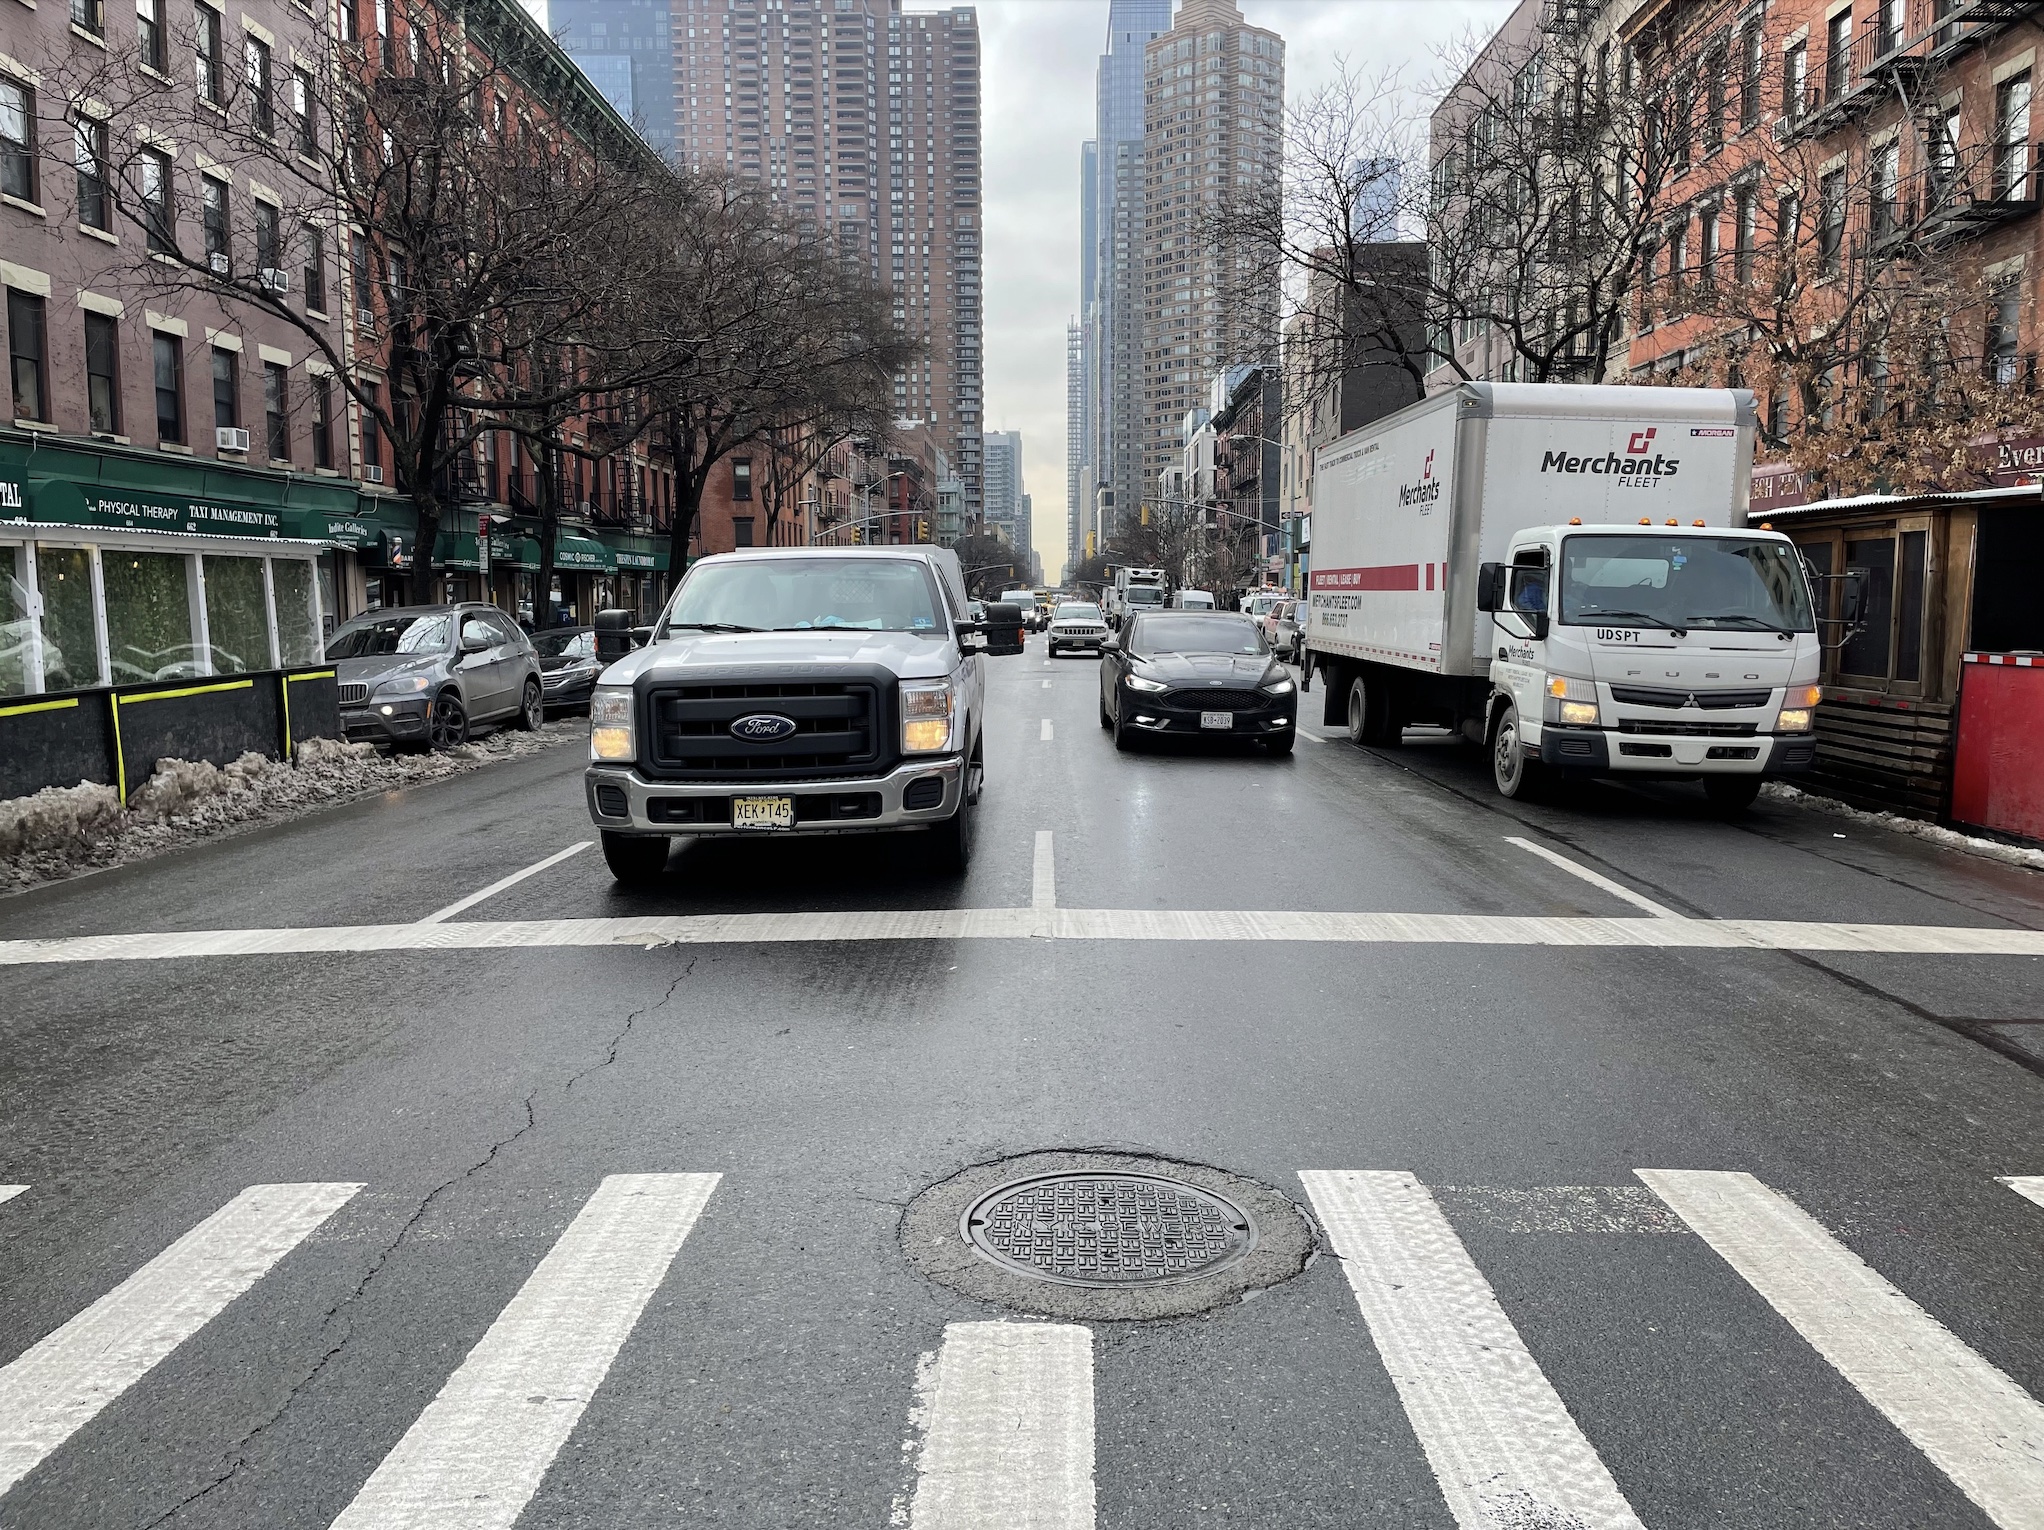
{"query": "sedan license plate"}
[(762, 812), (1217, 719)]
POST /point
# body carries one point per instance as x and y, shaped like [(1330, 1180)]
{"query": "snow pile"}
[(1950, 839), (63, 830)]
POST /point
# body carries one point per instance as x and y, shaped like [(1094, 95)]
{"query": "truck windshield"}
[(1682, 582), (1145, 595), (802, 594)]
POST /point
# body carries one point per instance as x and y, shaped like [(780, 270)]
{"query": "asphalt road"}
[(1507, 1325)]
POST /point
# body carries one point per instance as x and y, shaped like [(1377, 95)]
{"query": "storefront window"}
[(237, 620), (16, 630), (148, 616), (70, 638), (298, 637), (1867, 653)]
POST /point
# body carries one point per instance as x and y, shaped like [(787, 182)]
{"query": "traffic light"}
[(858, 535), (922, 529), (1146, 514)]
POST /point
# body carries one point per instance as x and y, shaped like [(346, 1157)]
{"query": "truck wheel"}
[(1369, 708), (635, 859), (1731, 794), (1515, 775), (951, 840)]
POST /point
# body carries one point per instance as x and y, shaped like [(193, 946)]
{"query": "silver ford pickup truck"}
[(796, 691)]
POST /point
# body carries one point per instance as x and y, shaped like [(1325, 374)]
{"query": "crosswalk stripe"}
[(1046, 730), (1008, 1430), (56, 1386), (474, 1458), (2028, 1186), (9, 1192), (1975, 1424), (1501, 1443), (1043, 878)]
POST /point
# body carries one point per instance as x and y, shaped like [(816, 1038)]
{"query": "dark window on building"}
[(213, 223), (262, 105), (741, 531), (269, 252), (226, 388), (1909, 606), (17, 139), (169, 370), (1867, 653), (2012, 167), (372, 433), (1795, 79), (103, 373), (206, 52), (1831, 227), (159, 204), (149, 37), (277, 410), (2007, 616), (322, 422), (89, 147), (1778, 414), (315, 270), (305, 112), (88, 16), (2005, 336), (1750, 55), (27, 355), (1837, 55), (1744, 216), (365, 304), (741, 478)]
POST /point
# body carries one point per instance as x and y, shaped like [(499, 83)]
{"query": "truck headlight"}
[(1572, 701), (927, 708), (1794, 720), (1799, 708), (611, 734)]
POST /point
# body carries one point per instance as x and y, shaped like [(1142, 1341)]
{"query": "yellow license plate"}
[(762, 812)]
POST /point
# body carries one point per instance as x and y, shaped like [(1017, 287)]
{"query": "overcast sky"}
[(1039, 60)]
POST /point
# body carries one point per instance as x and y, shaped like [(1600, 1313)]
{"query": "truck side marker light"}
[(1575, 520), (1646, 520), (1671, 520), (1696, 523)]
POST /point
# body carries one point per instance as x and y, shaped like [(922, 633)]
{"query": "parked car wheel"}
[(635, 859), (447, 723), (533, 711)]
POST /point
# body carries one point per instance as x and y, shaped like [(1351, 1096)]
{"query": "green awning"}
[(573, 553), (457, 550), (339, 530), (63, 501)]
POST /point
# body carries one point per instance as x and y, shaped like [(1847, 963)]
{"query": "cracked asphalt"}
[(480, 1097)]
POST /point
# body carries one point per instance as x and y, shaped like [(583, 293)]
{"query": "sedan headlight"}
[(611, 731), (1143, 683), (1279, 688), (403, 685), (927, 710)]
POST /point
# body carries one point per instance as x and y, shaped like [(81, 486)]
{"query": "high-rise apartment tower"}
[(1214, 90)]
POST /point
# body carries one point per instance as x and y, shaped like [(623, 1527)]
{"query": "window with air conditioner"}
[(214, 226)]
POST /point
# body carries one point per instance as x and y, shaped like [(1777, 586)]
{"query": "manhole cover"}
[(1108, 1231)]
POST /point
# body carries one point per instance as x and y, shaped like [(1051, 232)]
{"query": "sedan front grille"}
[(838, 726), (352, 693), (1217, 700)]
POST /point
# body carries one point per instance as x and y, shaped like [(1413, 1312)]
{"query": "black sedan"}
[(568, 666), (1205, 674)]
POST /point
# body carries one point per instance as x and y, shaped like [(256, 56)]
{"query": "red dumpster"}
[(1998, 761)]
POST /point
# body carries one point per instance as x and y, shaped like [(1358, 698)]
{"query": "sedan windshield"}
[(1198, 634), (574, 643), (1680, 582), (1072, 611), (378, 635), (804, 594)]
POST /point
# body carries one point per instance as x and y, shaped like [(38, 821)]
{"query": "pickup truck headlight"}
[(611, 733), (1142, 683), (1572, 701), (1798, 708), (927, 710)]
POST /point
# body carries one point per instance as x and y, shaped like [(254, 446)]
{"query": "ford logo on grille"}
[(763, 727)]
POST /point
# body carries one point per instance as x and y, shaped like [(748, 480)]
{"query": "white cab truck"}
[(1134, 589), (1562, 574)]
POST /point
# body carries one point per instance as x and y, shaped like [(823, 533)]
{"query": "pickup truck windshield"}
[(1682, 582), (804, 594)]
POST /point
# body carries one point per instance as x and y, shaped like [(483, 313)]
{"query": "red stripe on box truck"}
[(1385, 576)]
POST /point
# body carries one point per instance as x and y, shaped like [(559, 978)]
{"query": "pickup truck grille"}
[(1710, 701), (352, 694), (837, 728)]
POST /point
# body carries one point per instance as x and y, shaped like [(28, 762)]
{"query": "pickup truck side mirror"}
[(1490, 586), (615, 635), (1003, 628)]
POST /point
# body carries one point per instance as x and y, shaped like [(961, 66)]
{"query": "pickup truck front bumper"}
[(915, 794)]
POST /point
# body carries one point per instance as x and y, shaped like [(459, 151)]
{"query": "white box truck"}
[(1134, 589), (1563, 573)]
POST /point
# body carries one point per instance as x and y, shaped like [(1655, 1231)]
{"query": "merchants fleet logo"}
[(762, 727), (1642, 467), (1426, 493)]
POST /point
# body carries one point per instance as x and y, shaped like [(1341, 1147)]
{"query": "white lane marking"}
[(1593, 878), (1045, 735), (1009, 1430), (1043, 885), (56, 1385), (1046, 685), (1132, 924), (1313, 738), (9, 1192), (2029, 1186), (503, 882), (1977, 1426), (475, 1457), (1501, 1443)]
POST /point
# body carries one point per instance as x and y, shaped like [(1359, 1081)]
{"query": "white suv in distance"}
[(1076, 624)]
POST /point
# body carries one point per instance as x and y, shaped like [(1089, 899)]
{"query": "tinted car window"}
[(392, 634), (1197, 634), (505, 632)]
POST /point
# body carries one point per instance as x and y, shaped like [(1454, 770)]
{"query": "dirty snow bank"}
[(63, 830), (1950, 839)]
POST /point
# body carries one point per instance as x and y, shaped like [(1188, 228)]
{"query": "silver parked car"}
[(426, 675)]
